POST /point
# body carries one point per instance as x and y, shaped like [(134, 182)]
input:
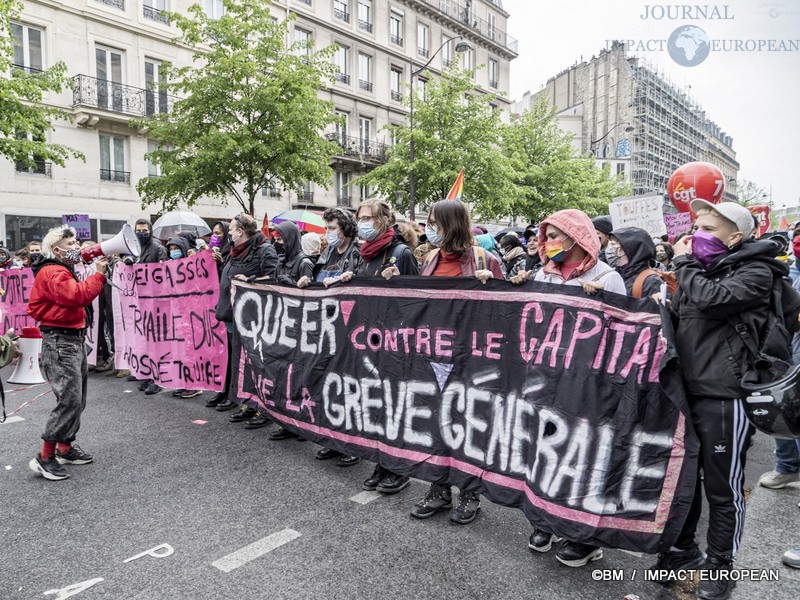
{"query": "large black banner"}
[(539, 397)]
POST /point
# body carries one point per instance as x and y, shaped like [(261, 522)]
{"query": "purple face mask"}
[(706, 248), (215, 242)]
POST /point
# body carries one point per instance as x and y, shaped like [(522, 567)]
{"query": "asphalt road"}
[(211, 490)]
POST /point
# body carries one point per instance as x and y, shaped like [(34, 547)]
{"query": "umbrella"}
[(306, 220), (173, 222), (502, 232)]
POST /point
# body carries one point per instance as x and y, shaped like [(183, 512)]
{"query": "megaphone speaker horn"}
[(124, 242), (27, 370)]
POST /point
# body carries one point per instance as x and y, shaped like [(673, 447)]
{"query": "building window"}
[(621, 169), (365, 193), (447, 51), (341, 180), (154, 10), (422, 87), (153, 169), (341, 10), (423, 47), (467, 60), (39, 166), (342, 126), (365, 133), (493, 73), (302, 39), (112, 159), (491, 28), (342, 60), (365, 15), (28, 53), (214, 8), (110, 76), (365, 72), (396, 28), (395, 77), (155, 79)]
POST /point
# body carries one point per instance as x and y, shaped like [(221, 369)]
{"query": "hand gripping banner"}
[(567, 406)]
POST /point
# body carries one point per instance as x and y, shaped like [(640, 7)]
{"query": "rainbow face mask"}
[(556, 252)]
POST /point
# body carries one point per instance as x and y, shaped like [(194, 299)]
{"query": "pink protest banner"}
[(15, 291), (165, 328), (677, 224), (83, 272)]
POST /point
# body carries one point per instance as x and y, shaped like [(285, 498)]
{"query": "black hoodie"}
[(181, 242), (737, 285), (640, 249), (153, 251), (257, 259), (294, 264)]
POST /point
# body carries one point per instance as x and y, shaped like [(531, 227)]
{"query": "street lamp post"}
[(461, 46)]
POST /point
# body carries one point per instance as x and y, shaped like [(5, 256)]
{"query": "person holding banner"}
[(251, 256), (63, 306), (341, 254)]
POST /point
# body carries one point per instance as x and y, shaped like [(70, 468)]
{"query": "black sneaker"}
[(716, 583), (437, 498), (393, 483), (144, 384), (49, 469), (378, 475), (152, 388), (74, 456), (541, 541), (669, 563), (575, 554), (469, 503)]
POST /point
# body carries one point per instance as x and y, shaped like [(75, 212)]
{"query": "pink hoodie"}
[(577, 225)]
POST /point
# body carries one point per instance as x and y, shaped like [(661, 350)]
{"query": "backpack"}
[(478, 252), (667, 277)]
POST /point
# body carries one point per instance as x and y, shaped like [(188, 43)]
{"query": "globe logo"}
[(689, 46)]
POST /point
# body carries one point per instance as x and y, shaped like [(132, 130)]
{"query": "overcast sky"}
[(753, 96)]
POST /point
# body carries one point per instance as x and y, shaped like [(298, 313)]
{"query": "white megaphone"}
[(30, 345), (124, 242)]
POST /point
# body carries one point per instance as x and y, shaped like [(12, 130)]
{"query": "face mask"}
[(334, 241), (17, 263), (661, 257), (612, 257), (367, 231), (706, 248), (175, 254), (434, 239), (236, 236), (556, 252), (143, 236), (795, 246), (215, 242), (71, 257), (35, 256)]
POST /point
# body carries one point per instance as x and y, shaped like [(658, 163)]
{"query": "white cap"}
[(735, 213)]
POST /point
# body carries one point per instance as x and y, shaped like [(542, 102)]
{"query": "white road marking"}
[(365, 497), (234, 560), (637, 554), (12, 420)]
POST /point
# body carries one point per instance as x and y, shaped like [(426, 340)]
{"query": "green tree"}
[(455, 127), (749, 193), (249, 116), (548, 174), (24, 121)]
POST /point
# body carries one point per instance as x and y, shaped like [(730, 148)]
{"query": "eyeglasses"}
[(430, 223), (366, 219)]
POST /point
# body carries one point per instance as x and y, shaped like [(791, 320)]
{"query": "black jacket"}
[(641, 252), (258, 260), (152, 252), (397, 249), (738, 284), (294, 264), (347, 262)]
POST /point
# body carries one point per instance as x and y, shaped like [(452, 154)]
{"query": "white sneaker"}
[(775, 481), (792, 558)]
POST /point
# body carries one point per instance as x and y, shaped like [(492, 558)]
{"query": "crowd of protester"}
[(718, 266)]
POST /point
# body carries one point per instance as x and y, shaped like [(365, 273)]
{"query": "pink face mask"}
[(706, 248)]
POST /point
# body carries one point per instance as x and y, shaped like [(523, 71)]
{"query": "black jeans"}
[(724, 433), (65, 367)]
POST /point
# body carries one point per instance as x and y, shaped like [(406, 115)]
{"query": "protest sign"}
[(538, 396), (165, 328), (83, 271), (677, 224), (15, 291), (761, 213), (645, 212), (80, 223)]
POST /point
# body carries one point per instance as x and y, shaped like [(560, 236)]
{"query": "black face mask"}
[(143, 236), (279, 248), (35, 256)]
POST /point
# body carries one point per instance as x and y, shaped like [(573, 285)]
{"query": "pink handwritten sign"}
[(92, 333), (165, 328), (15, 291), (677, 224)]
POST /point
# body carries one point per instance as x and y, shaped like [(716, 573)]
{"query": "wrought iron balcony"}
[(343, 201), (39, 167), (115, 176), (396, 39), (343, 78), (90, 92), (305, 197), (365, 25), (397, 96), (493, 83), (120, 4), (271, 192), (155, 15), (305, 2), (358, 148), (365, 85), (461, 15), (341, 15), (26, 69), (448, 62), (423, 52)]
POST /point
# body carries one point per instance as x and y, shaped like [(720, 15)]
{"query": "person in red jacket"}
[(63, 307)]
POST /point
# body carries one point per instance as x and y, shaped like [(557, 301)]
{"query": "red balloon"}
[(762, 214), (695, 180)]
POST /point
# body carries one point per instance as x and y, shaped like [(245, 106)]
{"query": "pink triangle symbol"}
[(347, 308)]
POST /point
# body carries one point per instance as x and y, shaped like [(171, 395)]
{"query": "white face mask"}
[(334, 241)]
